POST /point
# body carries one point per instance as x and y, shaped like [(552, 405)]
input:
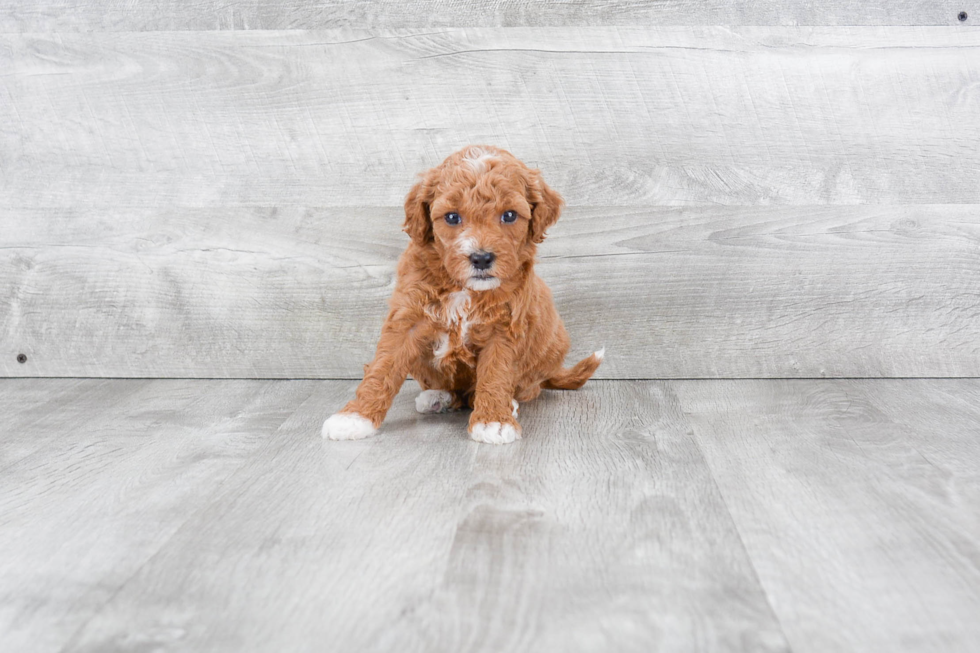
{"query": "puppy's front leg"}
[(493, 419), (400, 343)]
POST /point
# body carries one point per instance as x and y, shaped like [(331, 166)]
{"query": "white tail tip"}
[(600, 354)]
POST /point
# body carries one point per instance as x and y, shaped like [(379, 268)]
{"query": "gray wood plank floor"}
[(176, 515)]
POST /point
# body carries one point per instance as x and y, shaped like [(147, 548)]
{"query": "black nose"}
[(482, 260)]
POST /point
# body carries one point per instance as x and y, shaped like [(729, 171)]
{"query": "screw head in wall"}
[(21, 358), (962, 16)]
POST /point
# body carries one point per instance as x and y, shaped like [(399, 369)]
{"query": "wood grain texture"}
[(873, 291), (813, 515), (855, 502), (117, 15), (955, 453), (614, 116), (39, 413), (600, 530), (87, 510)]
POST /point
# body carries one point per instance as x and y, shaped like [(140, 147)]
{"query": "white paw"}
[(433, 401), (495, 433), (347, 426), (513, 402)]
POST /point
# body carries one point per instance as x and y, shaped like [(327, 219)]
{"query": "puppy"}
[(469, 318)]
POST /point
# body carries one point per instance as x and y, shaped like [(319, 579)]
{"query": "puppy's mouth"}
[(482, 281)]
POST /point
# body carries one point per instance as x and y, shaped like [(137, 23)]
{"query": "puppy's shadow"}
[(404, 420)]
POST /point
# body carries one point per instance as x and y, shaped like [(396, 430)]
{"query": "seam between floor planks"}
[(734, 522), (254, 402), (216, 492), (826, 487), (882, 432), (488, 500)]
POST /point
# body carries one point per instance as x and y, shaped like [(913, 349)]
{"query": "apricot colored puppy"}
[(469, 318)]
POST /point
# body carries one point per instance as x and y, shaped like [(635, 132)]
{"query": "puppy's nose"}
[(482, 260)]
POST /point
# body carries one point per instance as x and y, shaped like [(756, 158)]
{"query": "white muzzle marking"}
[(478, 284), (467, 245)]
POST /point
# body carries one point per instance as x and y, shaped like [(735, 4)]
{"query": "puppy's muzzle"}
[(482, 260)]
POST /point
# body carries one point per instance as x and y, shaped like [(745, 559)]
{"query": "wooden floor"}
[(175, 515)]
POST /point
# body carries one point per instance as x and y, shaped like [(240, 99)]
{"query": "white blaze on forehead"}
[(476, 159)]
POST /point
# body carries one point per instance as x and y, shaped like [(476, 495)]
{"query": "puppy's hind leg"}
[(527, 393), (436, 396), (434, 401)]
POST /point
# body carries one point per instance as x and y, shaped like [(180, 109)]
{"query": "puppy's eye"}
[(509, 217), (453, 218)]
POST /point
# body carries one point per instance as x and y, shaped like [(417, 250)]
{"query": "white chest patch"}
[(441, 348), (457, 307), (455, 317), (458, 312)]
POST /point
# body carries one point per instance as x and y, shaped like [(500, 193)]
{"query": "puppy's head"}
[(484, 211)]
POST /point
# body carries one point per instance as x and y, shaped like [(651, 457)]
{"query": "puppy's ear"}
[(418, 224), (545, 207)]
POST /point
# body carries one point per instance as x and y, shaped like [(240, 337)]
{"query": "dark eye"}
[(509, 217), (453, 218)]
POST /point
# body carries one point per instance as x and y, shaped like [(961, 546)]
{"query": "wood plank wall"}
[(792, 194), (127, 16)]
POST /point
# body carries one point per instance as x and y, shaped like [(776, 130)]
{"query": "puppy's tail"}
[(573, 378)]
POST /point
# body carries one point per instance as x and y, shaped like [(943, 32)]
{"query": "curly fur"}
[(485, 337)]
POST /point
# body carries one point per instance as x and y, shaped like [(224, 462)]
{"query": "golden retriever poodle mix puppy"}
[(469, 318)]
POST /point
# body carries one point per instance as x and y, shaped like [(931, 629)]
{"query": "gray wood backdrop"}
[(213, 190)]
